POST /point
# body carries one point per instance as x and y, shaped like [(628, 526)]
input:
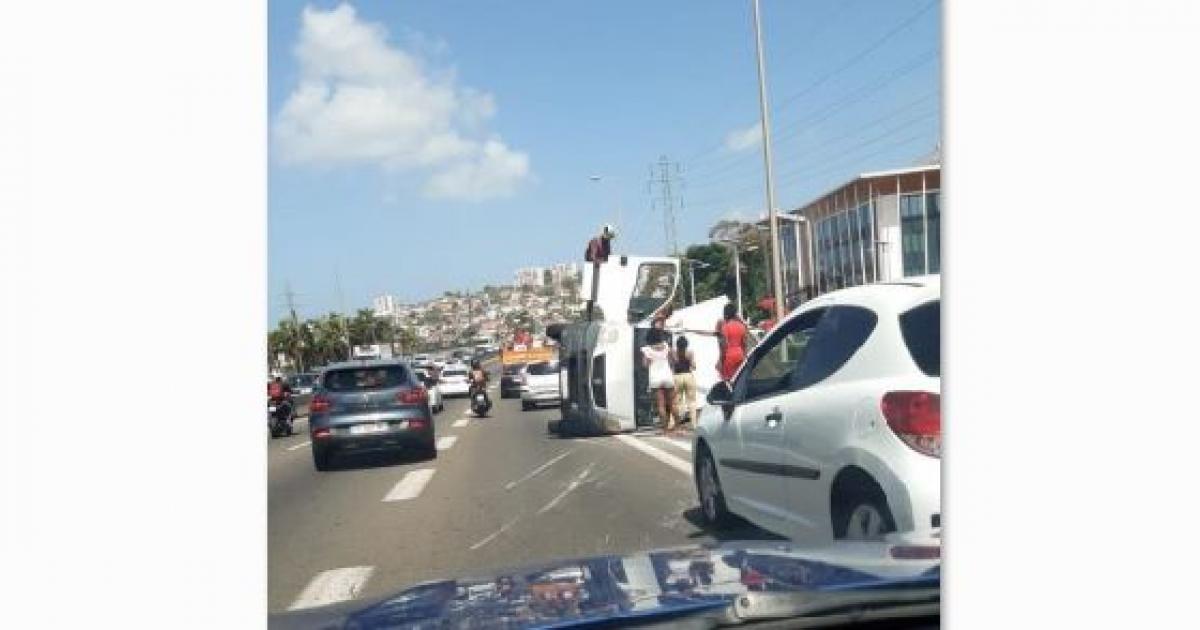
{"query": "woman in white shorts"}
[(662, 380)]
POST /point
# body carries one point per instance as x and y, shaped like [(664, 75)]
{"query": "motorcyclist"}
[(279, 393), (479, 381)]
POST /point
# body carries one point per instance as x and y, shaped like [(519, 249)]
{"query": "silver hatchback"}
[(369, 406)]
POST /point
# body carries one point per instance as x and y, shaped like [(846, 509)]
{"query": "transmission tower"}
[(665, 176)]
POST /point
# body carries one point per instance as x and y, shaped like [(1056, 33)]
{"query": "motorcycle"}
[(480, 403), (280, 417)]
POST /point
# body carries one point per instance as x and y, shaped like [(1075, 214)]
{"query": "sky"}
[(422, 146)]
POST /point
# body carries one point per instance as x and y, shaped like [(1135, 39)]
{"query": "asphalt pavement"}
[(502, 492)]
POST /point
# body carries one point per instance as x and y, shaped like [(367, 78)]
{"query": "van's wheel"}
[(860, 512), (708, 488)]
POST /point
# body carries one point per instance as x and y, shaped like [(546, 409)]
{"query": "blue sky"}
[(423, 146)]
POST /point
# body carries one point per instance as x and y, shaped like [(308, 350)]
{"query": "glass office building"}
[(879, 226)]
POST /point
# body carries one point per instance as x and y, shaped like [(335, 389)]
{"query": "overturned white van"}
[(603, 382)]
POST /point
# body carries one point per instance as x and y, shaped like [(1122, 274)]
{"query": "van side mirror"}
[(721, 395)]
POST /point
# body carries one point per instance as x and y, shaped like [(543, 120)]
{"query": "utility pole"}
[(665, 178), (776, 271)]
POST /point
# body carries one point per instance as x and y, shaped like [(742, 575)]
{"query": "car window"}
[(921, 328), (774, 363), (542, 369), (455, 372), (365, 378), (838, 336)]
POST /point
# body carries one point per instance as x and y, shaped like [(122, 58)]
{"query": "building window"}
[(866, 221), (935, 231), (855, 248), (912, 235)]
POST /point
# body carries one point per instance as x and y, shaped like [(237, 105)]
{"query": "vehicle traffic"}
[(453, 381), (370, 406), (510, 380), (539, 385), (832, 428), (436, 404)]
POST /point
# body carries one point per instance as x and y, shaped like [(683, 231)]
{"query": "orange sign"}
[(532, 355)]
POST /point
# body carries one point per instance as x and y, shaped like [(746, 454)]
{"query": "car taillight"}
[(417, 424), (318, 404), (321, 433), (916, 418), (414, 396)]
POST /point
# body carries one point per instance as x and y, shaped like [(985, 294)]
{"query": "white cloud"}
[(362, 101), (742, 139)]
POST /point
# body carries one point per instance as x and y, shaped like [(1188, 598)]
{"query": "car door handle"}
[(775, 418)]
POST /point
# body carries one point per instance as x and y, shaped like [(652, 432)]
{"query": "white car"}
[(832, 428), (454, 382), (539, 385), (436, 404)]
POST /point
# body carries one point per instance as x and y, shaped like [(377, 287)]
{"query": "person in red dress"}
[(734, 339)]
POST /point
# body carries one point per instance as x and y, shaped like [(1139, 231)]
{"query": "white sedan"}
[(454, 382), (540, 385), (832, 428)]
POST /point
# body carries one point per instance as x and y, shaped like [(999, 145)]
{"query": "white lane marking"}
[(461, 422), (300, 445), (446, 442), (571, 486), (411, 485), (490, 537), (513, 484), (677, 443), (662, 456), (334, 585)]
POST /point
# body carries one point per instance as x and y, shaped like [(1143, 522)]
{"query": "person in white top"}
[(661, 379)]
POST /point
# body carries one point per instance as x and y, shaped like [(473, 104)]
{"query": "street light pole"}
[(776, 272), (737, 278)]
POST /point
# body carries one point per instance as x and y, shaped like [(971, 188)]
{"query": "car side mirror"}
[(721, 395)]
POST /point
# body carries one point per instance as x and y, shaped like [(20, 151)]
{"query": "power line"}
[(824, 158), (834, 108), (839, 8), (712, 180), (859, 56)]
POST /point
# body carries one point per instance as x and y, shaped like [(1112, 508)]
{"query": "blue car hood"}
[(611, 588)]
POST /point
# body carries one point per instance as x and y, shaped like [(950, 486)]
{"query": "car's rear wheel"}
[(860, 512), (526, 405), (429, 450), (708, 488), (321, 458)]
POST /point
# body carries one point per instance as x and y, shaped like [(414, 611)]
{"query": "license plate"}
[(271, 409), (377, 427)]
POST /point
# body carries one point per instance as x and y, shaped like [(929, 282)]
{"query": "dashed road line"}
[(461, 422), (446, 442), (571, 486), (411, 485), (536, 471), (673, 461), (300, 445), (332, 586), (490, 537)]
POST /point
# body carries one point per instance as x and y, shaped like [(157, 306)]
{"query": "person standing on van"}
[(655, 357), (733, 336), (683, 363)]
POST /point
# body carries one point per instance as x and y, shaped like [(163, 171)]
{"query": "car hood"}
[(612, 588)]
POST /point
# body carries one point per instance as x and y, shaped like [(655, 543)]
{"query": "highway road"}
[(502, 492)]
